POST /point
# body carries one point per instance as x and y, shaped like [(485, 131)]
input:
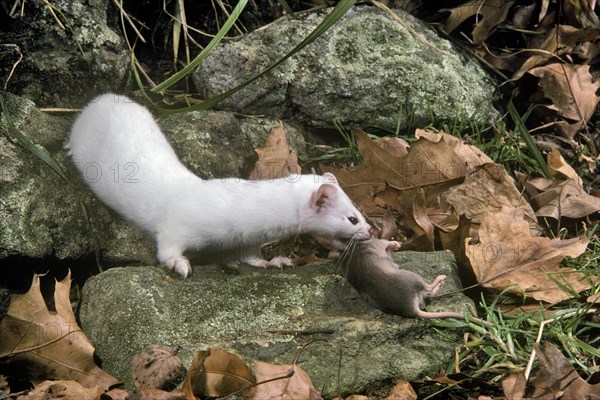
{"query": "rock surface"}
[(58, 64), (268, 315), (368, 70)]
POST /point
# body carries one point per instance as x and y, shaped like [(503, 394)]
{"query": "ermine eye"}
[(353, 220)]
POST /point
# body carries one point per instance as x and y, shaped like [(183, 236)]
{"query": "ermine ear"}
[(330, 178), (322, 196)]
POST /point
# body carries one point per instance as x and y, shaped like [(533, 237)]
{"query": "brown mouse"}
[(370, 269)]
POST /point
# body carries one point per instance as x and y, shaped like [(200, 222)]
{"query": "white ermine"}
[(128, 163)]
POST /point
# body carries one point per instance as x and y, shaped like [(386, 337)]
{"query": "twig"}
[(539, 338)]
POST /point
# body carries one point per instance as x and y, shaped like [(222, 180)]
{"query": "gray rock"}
[(367, 70), (268, 315), (41, 214), (62, 65)]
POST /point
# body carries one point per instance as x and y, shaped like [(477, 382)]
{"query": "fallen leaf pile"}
[(449, 195), (217, 373), (47, 344), (556, 378), (551, 42)]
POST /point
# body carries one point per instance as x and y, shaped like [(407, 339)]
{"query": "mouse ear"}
[(330, 178), (323, 196)]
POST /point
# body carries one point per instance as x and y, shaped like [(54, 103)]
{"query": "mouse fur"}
[(183, 212), (370, 269)]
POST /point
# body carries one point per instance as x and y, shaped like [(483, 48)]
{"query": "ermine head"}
[(334, 215)]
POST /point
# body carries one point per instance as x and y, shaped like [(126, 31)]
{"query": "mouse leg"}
[(171, 257), (436, 285), (252, 255)]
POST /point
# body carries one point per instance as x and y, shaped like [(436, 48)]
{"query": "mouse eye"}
[(353, 220)]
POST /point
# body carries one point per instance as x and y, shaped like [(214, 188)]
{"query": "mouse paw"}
[(280, 262), (180, 265), (393, 246), (437, 284), (277, 262)]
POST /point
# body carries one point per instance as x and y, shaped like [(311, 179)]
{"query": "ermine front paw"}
[(180, 265)]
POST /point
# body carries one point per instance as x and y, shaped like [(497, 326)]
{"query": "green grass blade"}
[(38, 151), (337, 13), (524, 133), (237, 11), (286, 7)]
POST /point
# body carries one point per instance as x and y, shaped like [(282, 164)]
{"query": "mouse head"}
[(334, 215)]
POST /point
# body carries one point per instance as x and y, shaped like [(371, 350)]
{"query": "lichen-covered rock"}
[(41, 214), (268, 315), (59, 64), (368, 70)]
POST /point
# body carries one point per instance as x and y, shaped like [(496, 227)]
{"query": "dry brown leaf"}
[(421, 218), (506, 254), (454, 240), (513, 386), (486, 190), (566, 41), (117, 394), (156, 367), (63, 390), (394, 145), (565, 199), (276, 159), (389, 229), (216, 373), (49, 345), (430, 166), (558, 379), (402, 391), (559, 168), (489, 14), (469, 154), (157, 394), (571, 91), (298, 386)]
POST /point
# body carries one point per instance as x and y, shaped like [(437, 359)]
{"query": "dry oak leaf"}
[(276, 159), (63, 390), (564, 199), (469, 154), (298, 386), (216, 373), (571, 91), (157, 394), (506, 254), (156, 367), (558, 379), (428, 165), (567, 40), (49, 345), (393, 145), (560, 168), (486, 190), (488, 14), (402, 391), (513, 386)]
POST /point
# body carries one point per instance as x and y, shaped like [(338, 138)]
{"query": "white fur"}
[(126, 160)]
